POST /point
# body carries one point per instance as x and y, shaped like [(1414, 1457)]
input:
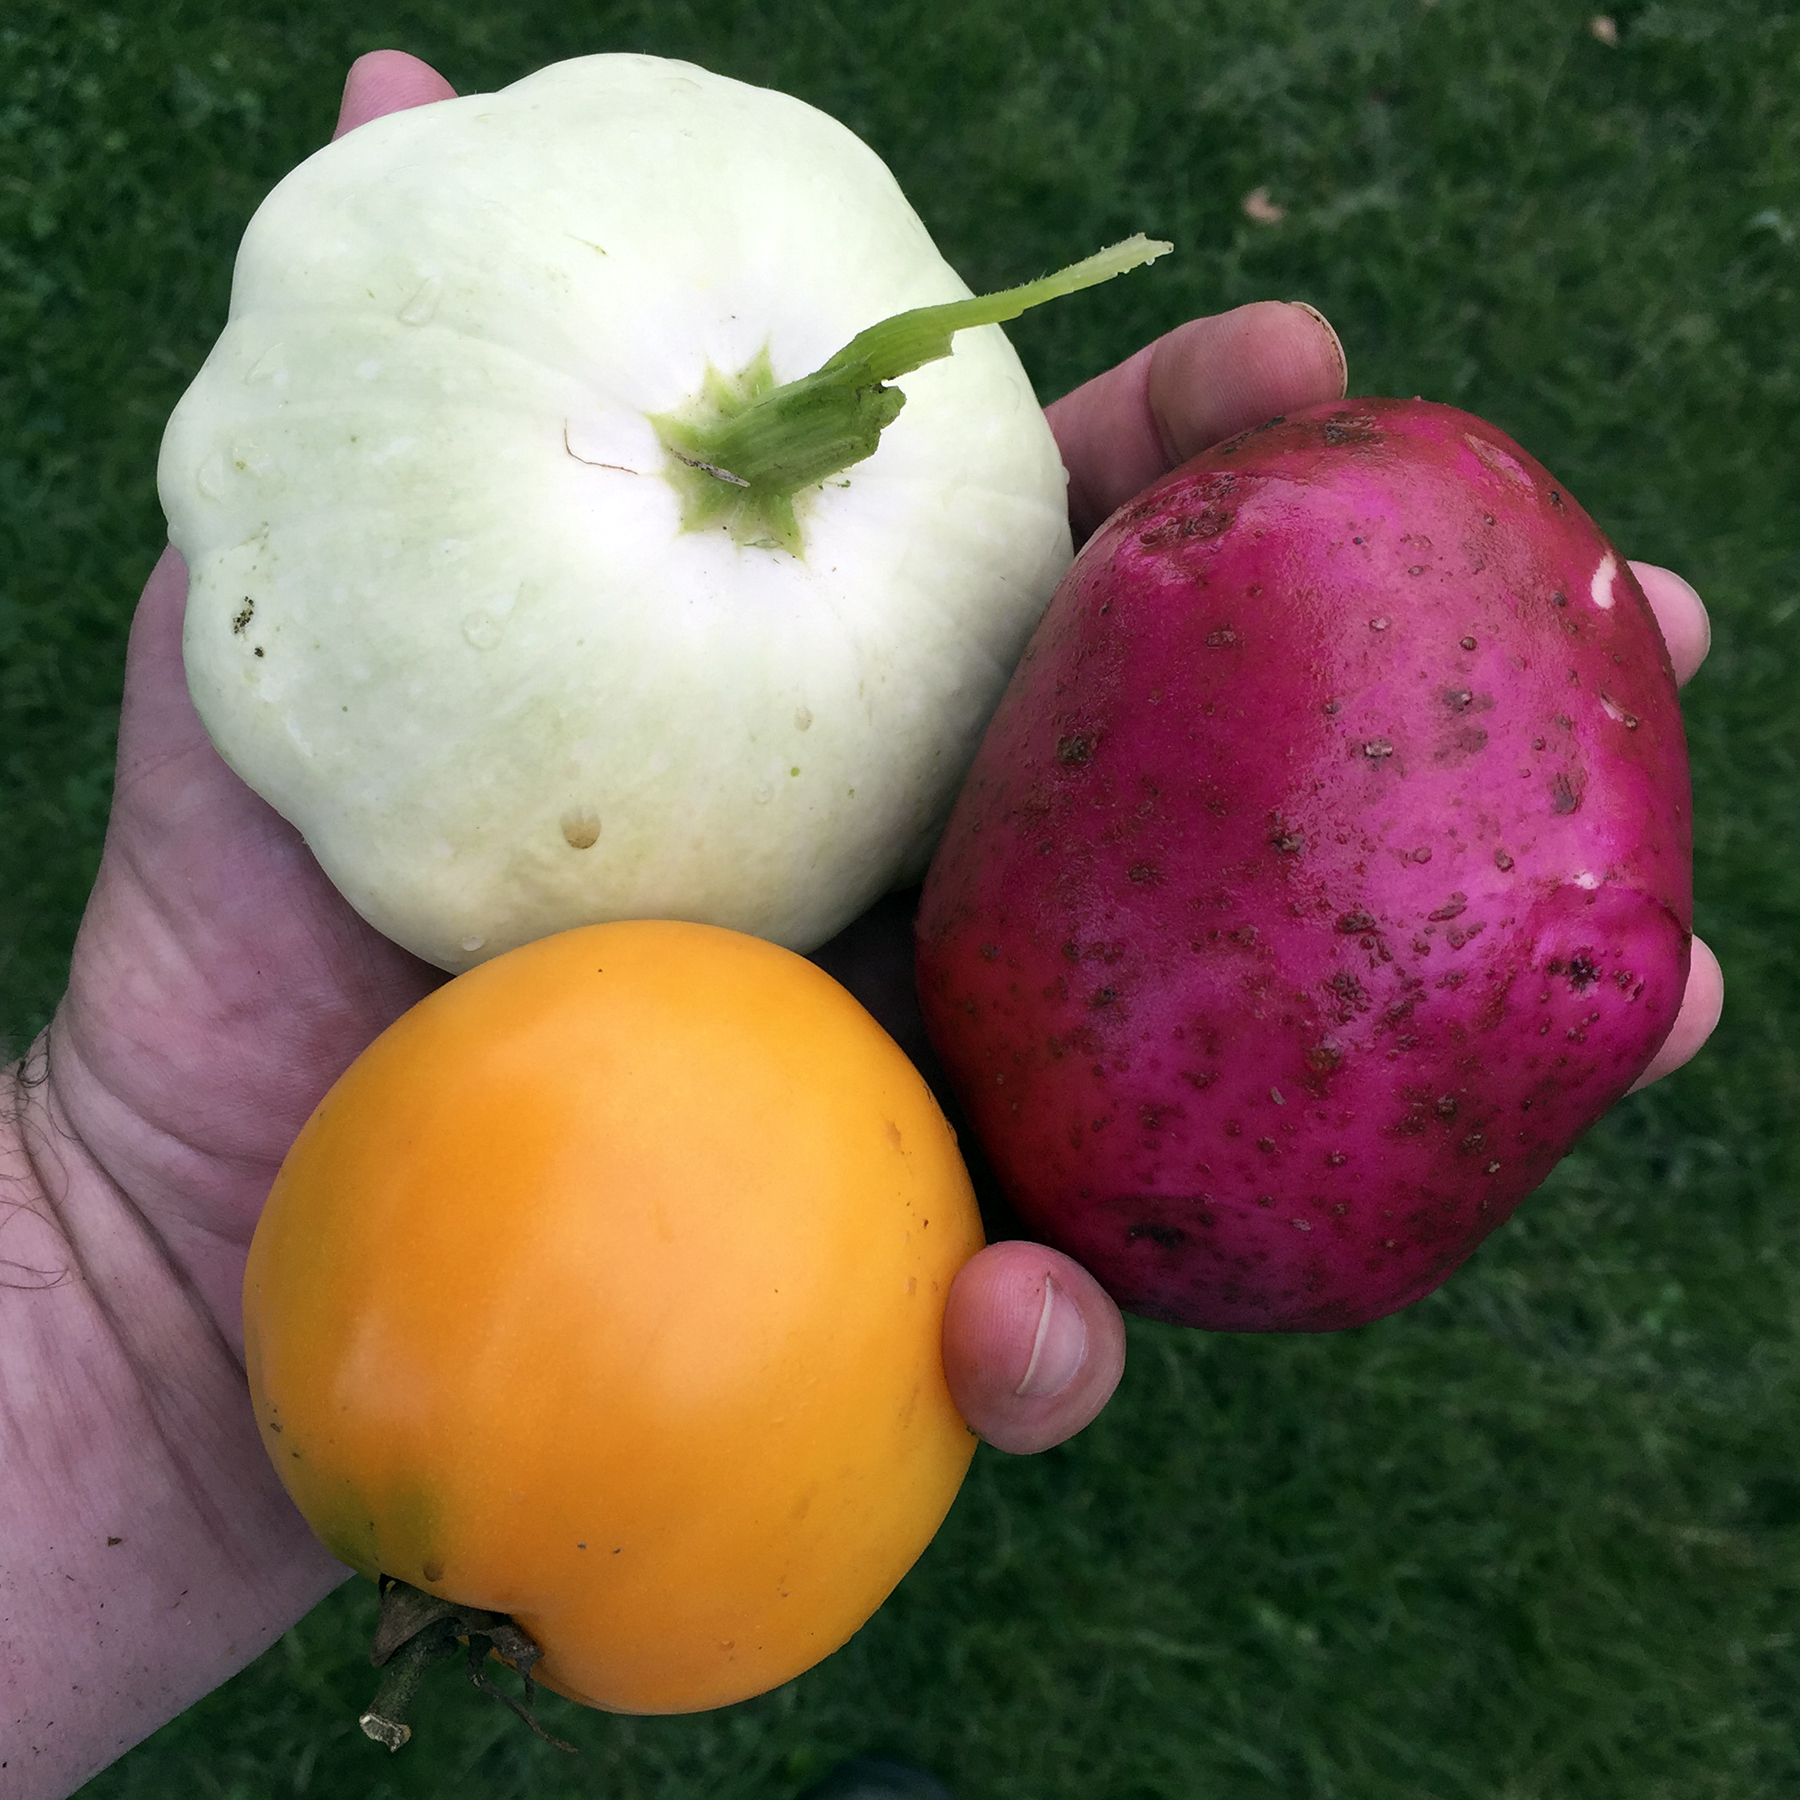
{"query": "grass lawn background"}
[(1538, 1536)]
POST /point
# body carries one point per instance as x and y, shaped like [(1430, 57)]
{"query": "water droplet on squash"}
[(482, 630), (581, 827), (211, 478), (270, 366), (420, 308)]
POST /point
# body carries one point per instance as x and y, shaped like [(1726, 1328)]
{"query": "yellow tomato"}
[(606, 1290)]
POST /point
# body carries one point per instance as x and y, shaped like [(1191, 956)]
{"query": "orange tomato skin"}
[(606, 1289)]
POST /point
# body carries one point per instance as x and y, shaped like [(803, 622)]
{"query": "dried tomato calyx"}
[(416, 1629)]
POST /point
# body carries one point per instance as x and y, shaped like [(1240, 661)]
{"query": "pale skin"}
[(219, 985)]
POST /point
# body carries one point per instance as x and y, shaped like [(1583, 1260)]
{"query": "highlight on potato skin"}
[(1324, 874)]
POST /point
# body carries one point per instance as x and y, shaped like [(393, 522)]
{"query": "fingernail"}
[(1058, 1350), (1700, 608), (1337, 344)]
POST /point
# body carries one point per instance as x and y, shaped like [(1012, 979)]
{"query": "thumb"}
[(386, 81), (1033, 1346)]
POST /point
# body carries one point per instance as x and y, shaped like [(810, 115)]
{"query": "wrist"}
[(149, 1549)]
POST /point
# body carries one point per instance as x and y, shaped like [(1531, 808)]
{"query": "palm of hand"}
[(219, 985)]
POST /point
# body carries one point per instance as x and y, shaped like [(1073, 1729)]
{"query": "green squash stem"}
[(745, 447)]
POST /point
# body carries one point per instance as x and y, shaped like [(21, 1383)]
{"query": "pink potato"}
[(1324, 874)]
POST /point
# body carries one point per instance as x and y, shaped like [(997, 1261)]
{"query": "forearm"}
[(146, 1549)]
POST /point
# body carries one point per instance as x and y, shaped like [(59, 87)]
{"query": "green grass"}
[(1540, 1536)]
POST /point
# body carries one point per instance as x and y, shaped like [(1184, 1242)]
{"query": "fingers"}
[(1687, 631), (386, 81), (158, 724), (1682, 615), (1033, 1346), (1701, 1006), (1194, 386)]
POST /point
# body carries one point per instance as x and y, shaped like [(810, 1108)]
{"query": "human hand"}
[(219, 985)]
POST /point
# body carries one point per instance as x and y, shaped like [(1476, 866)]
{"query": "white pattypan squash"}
[(473, 606)]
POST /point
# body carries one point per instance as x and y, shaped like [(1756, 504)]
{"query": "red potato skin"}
[(1324, 874)]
